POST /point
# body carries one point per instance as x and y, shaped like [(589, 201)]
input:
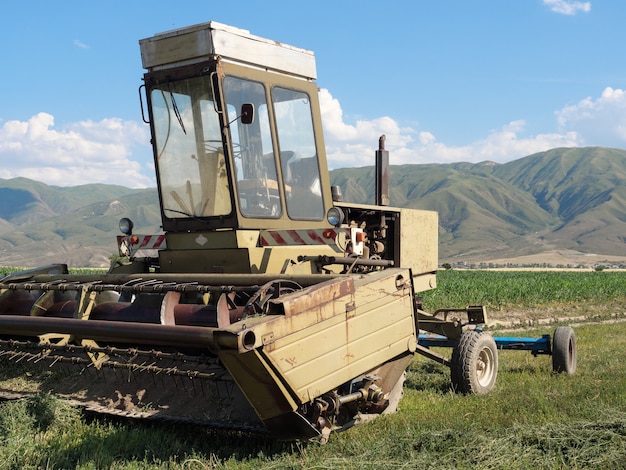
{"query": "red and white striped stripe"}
[(145, 242), (297, 237)]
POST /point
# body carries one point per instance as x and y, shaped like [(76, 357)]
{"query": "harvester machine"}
[(268, 302)]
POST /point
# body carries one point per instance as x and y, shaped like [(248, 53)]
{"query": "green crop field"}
[(526, 289), (532, 419)]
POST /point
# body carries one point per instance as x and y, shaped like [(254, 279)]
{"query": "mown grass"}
[(533, 418)]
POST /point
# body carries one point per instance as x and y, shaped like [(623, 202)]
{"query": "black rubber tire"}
[(474, 364), (564, 350)]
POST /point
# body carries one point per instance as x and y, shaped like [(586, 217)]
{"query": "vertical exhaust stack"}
[(382, 173)]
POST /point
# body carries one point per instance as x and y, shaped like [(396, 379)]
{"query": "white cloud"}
[(567, 7), (80, 44), (354, 145), (351, 145), (601, 121), (84, 152), (114, 151)]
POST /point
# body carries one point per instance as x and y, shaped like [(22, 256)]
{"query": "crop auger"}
[(268, 303)]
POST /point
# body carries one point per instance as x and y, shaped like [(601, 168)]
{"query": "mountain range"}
[(567, 201)]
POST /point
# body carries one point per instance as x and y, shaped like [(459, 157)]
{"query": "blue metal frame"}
[(534, 345)]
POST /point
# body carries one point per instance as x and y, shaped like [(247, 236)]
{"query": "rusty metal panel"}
[(348, 333), (335, 294)]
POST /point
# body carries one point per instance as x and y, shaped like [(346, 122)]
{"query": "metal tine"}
[(165, 286), (150, 368), (133, 283), (21, 356), (10, 354), (28, 356), (142, 282), (41, 357), (191, 286), (61, 285), (130, 375), (55, 282)]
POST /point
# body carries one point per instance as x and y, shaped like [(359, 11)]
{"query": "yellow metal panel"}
[(206, 261), (357, 356), (419, 243), (345, 342), (338, 332), (259, 383), (212, 240), (424, 282)]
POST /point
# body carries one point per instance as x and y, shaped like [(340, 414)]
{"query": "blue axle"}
[(534, 345)]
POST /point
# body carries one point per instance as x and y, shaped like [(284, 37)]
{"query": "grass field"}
[(533, 418)]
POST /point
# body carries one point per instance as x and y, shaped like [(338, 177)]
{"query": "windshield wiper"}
[(176, 111), (191, 216)]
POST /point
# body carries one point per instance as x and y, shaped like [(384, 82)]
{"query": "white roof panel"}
[(200, 42)]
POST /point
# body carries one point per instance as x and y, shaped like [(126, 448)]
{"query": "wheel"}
[(474, 364), (564, 350)]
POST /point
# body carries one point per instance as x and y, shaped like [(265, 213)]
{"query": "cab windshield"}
[(189, 153), (273, 159)]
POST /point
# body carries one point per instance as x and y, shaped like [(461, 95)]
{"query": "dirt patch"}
[(571, 259), (138, 395), (553, 315)]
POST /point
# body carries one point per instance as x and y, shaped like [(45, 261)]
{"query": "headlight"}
[(334, 216), (126, 226)]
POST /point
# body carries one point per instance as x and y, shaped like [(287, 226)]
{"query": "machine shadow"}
[(179, 443)]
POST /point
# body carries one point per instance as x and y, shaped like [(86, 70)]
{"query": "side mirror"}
[(247, 113)]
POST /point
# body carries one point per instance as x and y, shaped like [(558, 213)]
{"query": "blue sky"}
[(445, 80)]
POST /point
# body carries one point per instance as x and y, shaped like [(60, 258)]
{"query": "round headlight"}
[(126, 226), (334, 216)]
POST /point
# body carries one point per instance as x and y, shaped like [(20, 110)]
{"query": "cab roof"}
[(206, 41)]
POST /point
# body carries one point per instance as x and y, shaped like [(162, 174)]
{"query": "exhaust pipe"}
[(382, 173)]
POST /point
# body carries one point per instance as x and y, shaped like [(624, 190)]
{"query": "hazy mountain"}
[(41, 224), (562, 199)]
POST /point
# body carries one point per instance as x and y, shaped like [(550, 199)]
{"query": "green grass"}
[(4, 270), (532, 419), (524, 289)]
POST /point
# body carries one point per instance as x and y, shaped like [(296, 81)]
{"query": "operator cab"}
[(236, 131)]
